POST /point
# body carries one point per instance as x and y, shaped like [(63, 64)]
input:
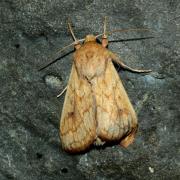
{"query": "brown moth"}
[(96, 108)]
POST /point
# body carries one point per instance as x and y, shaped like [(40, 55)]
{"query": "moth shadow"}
[(97, 147)]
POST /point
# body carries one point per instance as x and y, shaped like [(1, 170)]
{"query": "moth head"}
[(89, 38)]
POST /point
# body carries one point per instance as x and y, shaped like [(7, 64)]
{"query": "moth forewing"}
[(115, 115), (77, 124)]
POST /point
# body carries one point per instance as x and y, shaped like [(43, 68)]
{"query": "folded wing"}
[(78, 124), (116, 118)]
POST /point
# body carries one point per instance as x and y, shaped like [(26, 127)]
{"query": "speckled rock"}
[(32, 32)]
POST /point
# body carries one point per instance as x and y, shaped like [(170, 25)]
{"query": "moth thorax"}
[(89, 38)]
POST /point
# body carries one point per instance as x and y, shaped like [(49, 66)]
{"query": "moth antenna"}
[(71, 30), (123, 30), (126, 30), (77, 45), (56, 59), (61, 50), (104, 36), (105, 27)]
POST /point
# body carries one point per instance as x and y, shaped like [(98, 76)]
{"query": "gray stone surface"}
[(31, 32)]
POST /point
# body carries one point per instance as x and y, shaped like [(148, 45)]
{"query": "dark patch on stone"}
[(39, 155), (64, 170), (17, 46)]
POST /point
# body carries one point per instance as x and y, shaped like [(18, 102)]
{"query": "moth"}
[(96, 108)]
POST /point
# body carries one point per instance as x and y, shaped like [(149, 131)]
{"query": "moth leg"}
[(62, 92), (129, 139), (99, 142), (116, 59)]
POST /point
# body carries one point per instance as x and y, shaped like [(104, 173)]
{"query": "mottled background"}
[(31, 32)]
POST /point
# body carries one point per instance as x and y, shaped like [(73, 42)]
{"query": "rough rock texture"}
[(31, 32)]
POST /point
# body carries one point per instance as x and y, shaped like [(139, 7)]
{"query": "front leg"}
[(116, 59), (62, 92)]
